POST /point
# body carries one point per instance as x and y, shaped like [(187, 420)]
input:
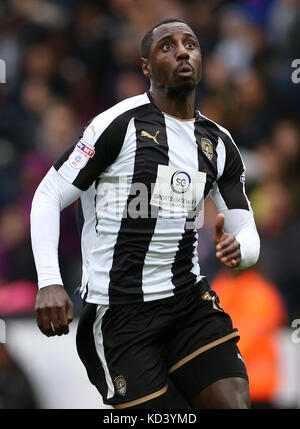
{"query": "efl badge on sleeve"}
[(80, 155)]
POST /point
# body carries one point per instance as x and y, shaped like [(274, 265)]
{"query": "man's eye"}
[(167, 46), (190, 44)]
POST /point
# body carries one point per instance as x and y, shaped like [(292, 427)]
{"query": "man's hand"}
[(228, 249), (54, 310)]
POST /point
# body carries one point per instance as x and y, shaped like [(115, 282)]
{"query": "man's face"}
[(174, 62)]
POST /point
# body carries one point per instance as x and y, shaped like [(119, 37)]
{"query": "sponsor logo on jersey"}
[(149, 136), (93, 130), (243, 177), (120, 385), (180, 181), (86, 149), (207, 147)]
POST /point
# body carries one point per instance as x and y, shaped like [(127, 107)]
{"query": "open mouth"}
[(185, 70)]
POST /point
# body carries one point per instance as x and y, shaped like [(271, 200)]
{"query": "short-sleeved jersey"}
[(144, 174)]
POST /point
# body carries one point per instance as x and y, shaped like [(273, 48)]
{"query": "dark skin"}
[(174, 69)]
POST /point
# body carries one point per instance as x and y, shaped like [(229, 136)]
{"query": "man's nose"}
[(181, 52)]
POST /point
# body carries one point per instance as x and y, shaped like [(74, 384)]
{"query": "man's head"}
[(171, 56)]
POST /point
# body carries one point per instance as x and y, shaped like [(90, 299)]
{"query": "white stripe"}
[(110, 208), (98, 338), (164, 245), (216, 196), (221, 157), (184, 155), (196, 268), (157, 270), (88, 233)]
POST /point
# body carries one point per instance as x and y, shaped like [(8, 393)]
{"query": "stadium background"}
[(68, 60)]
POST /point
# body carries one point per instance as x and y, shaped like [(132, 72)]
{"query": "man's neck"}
[(180, 106)]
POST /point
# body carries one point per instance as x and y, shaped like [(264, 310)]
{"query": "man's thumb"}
[(70, 310), (219, 227)]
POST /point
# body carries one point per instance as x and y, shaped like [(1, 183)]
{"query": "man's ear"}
[(146, 67)]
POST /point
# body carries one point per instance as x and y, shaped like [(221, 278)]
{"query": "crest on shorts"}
[(206, 296), (120, 385), (207, 147)]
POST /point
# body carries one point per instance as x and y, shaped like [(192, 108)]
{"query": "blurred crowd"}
[(68, 60)]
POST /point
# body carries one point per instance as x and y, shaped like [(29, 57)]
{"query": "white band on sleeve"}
[(250, 246), (241, 224)]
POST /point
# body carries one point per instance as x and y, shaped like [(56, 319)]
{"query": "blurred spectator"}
[(69, 60), (279, 227), (235, 47), (129, 84), (257, 310), (16, 391), (203, 19), (253, 114), (285, 141), (16, 254), (17, 270), (58, 130)]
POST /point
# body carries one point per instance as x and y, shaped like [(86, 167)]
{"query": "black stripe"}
[(86, 348), (80, 217), (183, 262), (85, 294), (182, 265), (230, 185), (203, 129), (107, 149), (135, 234), (95, 204)]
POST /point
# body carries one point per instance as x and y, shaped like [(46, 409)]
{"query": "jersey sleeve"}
[(230, 197), (229, 189), (52, 195), (96, 149)]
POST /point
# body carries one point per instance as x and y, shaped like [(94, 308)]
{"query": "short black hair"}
[(148, 38)]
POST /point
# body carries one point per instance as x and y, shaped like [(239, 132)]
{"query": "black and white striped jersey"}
[(142, 173)]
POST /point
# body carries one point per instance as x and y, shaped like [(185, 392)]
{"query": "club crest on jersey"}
[(120, 385), (80, 155), (207, 147)]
